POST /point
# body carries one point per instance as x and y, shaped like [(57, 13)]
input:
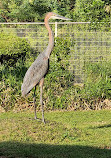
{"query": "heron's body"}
[(36, 72)]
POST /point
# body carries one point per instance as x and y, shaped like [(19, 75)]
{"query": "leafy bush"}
[(94, 11), (98, 80), (12, 57), (10, 85), (12, 48), (97, 86)]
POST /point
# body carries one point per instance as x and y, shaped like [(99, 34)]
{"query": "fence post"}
[(55, 29)]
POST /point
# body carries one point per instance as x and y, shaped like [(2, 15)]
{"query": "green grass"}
[(81, 134)]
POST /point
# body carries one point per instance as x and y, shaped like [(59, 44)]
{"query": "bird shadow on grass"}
[(26, 150), (102, 126)]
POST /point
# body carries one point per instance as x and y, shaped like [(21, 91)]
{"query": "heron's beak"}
[(60, 17)]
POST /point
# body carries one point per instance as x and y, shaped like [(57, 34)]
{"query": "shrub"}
[(97, 85), (12, 48), (12, 57), (98, 80)]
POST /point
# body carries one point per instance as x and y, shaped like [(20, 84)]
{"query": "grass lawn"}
[(72, 134)]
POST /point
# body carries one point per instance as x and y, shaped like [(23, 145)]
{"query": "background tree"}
[(91, 10), (17, 10), (32, 10)]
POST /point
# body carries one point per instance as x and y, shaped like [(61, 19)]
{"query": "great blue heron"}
[(36, 72)]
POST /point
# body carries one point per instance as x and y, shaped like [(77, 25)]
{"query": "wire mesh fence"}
[(87, 44)]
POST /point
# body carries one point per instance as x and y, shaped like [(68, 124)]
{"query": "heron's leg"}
[(34, 101), (41, 102)]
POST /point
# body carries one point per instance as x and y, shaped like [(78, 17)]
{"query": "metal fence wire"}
[(88, 45)]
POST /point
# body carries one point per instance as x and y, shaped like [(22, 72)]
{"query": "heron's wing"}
[(34, 74)]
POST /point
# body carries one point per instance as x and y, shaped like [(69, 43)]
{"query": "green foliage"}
[(97, 87), (91, 10), (13, 44), (17, 10), (30, 10), (10, 84), (12, 57), (34, 10), (12, 48), (98, 81)]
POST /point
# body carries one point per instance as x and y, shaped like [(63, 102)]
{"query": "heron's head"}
[(52, 15)]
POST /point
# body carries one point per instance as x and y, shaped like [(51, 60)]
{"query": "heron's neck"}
[(51, 39)]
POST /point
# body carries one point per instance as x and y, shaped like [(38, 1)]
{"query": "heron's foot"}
[(35, 119), (38, 119)]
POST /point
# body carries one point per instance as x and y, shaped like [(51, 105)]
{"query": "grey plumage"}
[(34, 74)]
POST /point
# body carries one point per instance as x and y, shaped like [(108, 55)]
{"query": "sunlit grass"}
[(81, 129)]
